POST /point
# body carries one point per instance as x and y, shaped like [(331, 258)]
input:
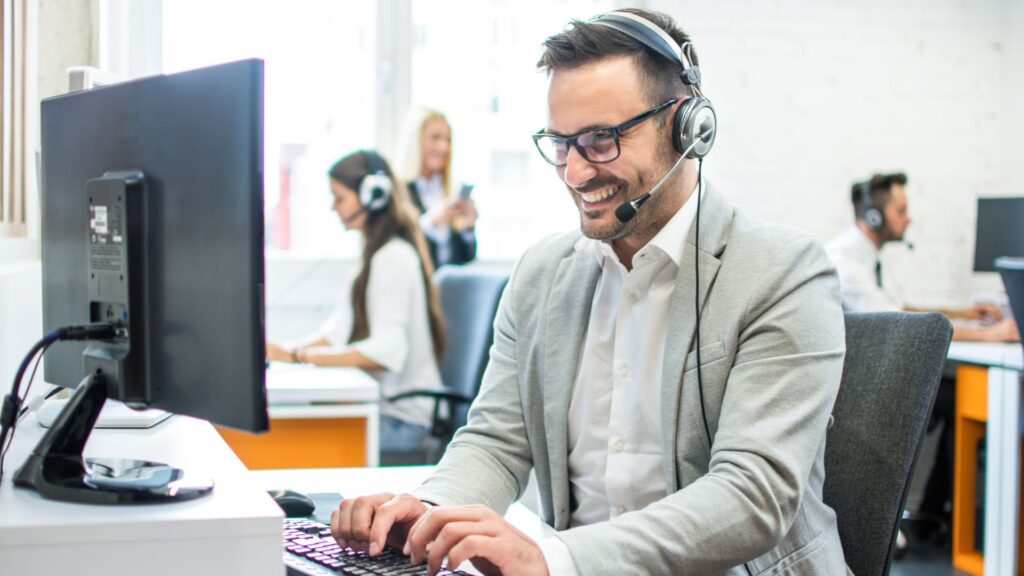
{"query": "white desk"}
[(1004, 363), (234, 530), (318, 417), (306, 391)]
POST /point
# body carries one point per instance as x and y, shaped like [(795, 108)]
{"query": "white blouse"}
[(399, 340)]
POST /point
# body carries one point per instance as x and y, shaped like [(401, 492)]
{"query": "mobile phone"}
[(465, 191)]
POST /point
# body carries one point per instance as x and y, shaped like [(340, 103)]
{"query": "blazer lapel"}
[(566, 316), (715, 222)]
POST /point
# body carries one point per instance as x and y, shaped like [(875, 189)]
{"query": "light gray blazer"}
[(772, 346)]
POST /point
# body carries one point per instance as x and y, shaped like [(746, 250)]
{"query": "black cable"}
[(696, 298), (31, 380), (11, 408)]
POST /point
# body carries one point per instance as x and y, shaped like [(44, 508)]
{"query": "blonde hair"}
[(411, 151)]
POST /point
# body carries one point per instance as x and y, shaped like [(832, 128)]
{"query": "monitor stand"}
[(57, 471)]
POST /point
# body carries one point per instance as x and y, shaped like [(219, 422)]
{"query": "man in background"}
[(881, 216), (880, 209)]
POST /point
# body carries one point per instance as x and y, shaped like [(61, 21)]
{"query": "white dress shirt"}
[(856, 258), (615, 435), (399, 340)]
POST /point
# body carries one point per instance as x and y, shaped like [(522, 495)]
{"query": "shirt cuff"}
[(557, 557)]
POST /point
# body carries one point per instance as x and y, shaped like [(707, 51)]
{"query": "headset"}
[(871, 214), (695, 123), (375, 188)]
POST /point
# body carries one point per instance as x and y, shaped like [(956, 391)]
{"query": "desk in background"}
[(234, 530), (319, 418), (988, 406)]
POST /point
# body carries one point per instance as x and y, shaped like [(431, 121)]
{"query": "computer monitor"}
[(152, 219), (1000, 231)]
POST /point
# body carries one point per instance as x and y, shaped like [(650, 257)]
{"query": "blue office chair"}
[(469, 301)]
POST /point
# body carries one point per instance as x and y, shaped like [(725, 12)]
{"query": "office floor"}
[(926, 556)]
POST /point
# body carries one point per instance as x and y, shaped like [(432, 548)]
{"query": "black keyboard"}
[(310, 550)]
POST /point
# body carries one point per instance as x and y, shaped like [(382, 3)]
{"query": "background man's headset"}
[(693, 135), (871, 214)]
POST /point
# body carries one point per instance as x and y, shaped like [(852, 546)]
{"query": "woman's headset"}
[(695, 123), (375, 188)]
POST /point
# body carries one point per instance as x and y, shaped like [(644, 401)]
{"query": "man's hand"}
[(985, 312), (474, 533), (368, 523), (1005, 331)]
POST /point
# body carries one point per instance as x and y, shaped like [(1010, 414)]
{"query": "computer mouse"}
[(295, 504)]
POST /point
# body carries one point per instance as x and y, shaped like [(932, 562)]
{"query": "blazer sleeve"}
[(489, 460)]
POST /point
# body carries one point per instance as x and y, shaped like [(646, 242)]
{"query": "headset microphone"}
[(627, 210)]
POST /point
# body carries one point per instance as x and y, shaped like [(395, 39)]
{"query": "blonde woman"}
[(448, 215)]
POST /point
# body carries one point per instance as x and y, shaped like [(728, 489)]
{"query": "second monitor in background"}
[(999, 231)]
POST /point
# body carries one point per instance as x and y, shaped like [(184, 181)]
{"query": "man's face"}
[(897, 218), (603, 94)]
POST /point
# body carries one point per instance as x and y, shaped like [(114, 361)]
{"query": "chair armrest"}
[(437, 395), (442, 427)]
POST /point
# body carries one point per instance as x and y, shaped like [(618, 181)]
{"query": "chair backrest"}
[(1012, 271), (890, 378), (469, 300)]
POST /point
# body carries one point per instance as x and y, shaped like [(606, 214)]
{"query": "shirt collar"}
[(860, 242)]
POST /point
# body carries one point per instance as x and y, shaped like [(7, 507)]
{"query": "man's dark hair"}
[(582, 42), (879, 187)]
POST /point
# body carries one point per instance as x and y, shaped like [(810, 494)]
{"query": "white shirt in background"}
[(400, 339), (615, 435), (856, 257)]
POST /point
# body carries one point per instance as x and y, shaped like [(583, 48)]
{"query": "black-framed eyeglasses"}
[(597, 145)]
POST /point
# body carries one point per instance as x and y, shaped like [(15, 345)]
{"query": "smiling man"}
[(668, 370)]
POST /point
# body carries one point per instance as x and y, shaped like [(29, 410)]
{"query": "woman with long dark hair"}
[(390, 323)]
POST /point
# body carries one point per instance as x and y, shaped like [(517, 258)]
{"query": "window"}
[(17, 119), (339, 76), (483, 76)]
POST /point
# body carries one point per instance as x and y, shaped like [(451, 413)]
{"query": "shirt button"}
[(624, 369), (621, 510), (633, 298), (620, 446)]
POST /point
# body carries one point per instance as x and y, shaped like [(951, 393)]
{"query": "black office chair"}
[(469, 301), (890, 378)]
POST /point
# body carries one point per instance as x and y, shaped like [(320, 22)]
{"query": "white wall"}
[(21, 320), (812, 96)]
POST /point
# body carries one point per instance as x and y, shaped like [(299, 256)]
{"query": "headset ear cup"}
[(678, 128), (874, 218), (375, 191), (695, 126)]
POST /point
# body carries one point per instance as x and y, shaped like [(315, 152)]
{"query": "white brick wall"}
[(814, 95)]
